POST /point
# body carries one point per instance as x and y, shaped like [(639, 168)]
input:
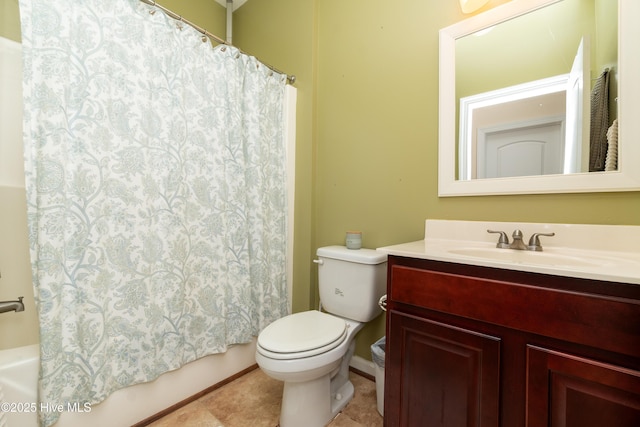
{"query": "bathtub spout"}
[(16, 306)]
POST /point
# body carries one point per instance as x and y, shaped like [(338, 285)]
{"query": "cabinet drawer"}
[(609, 323)]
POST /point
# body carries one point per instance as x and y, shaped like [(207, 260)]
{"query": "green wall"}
[(205, 13), (9, 20), (374, 132), (367, 126)]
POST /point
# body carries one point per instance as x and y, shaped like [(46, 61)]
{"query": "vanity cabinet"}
[(477, 346)]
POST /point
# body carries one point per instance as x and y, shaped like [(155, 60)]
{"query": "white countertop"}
[(599, 252)]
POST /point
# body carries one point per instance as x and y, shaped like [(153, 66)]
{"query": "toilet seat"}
[(301, 335)]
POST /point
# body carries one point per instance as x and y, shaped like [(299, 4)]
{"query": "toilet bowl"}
[(310, 351), (316, 386)]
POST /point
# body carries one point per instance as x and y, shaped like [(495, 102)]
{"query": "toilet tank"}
[(351, 281)]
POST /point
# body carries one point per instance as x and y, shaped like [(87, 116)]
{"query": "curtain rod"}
[(290, 79)]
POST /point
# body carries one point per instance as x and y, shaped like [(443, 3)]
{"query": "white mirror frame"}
[(626, 178)]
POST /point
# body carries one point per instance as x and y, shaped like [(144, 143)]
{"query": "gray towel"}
[(599, 122)]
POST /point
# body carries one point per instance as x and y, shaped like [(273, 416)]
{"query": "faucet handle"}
[(534, 241), (503, 240)]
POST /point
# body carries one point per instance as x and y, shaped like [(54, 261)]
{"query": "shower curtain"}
[(155, 176)]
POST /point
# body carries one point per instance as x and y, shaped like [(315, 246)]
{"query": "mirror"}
[(483, 99)]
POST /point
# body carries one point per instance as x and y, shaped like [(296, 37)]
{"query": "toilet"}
[(310, 351)]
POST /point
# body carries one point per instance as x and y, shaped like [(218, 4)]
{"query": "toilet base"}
[(310, 403), (315, 403), (342, 397)]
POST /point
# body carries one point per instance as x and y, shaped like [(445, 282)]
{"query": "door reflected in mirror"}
[(524, 88)]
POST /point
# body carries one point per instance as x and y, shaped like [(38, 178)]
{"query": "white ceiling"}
[(236, 3)]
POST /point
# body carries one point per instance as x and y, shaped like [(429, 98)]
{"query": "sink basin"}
[(528, 257)]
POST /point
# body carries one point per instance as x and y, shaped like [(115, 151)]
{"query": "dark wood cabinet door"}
[(568, 352), (564, 390), (440, 375)]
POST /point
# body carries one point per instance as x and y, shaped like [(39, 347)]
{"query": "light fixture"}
[(470, 6)]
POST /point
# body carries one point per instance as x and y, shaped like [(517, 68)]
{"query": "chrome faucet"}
[(518, 244), (517, 241), (16, 306)]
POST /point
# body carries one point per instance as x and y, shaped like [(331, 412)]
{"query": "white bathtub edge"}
[(136, 403)]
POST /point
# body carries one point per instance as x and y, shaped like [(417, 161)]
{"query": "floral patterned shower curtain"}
[(155, 175)]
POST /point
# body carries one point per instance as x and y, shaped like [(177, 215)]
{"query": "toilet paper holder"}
[(382, 302)]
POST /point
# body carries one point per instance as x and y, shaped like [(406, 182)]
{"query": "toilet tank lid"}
[(361, 256)]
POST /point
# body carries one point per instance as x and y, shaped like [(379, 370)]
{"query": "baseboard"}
[(175, 407), (363, 365)]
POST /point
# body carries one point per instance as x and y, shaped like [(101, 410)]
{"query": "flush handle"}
[(318, 261)]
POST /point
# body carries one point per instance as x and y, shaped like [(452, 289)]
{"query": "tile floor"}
[(253, 400)]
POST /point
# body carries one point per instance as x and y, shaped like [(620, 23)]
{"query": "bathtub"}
[(18, 385), (19, 376)]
